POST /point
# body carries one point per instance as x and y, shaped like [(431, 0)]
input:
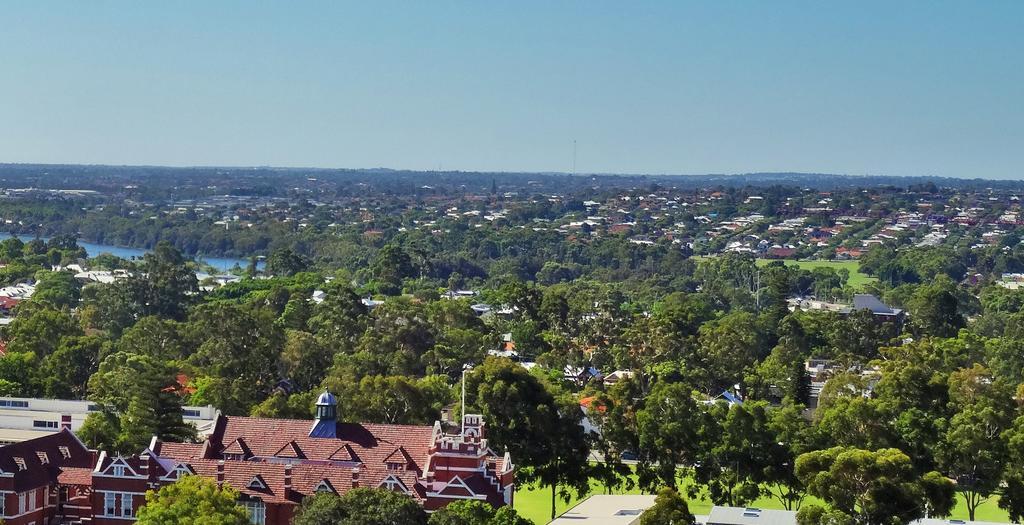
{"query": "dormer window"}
[(396, 466), (20, 462), (393, 484), (257, 483), (325, 486)]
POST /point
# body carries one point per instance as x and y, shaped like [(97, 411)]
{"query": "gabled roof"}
[(863, 301), (366, 444), (289, 450), (179, 469), (238, 446), (131, 470), (392, 480), (399, 455), (36, 473), (257, 483), (345, 453), (325, 485)]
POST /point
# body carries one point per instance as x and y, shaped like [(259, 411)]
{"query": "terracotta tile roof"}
[(370, 444), (75, 476), (239, 474), (181, 450), (306, 479)]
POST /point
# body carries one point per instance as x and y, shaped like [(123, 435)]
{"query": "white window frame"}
[(257, 511), (393, 484), (126, 505), (109, 504)]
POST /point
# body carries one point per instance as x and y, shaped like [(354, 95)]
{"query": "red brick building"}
[(45, 480), (275, 463)]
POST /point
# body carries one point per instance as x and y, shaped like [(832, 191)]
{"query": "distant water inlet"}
[(93, 249)]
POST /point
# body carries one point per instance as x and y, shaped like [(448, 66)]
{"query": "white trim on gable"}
[(257, 483), (461, 484), (179, 470), (119, 461), (324, 486), (392, 482)]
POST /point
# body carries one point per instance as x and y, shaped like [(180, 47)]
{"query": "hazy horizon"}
[(660, 88)]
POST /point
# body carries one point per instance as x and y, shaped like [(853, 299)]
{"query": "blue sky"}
[(900, 88)]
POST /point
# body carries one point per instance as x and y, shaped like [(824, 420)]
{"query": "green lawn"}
[(535, 504), (857, 279)]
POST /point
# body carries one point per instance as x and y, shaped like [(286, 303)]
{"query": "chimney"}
[(65, 421), (287, 478), (144, 465), (355, 478), (220, 473)]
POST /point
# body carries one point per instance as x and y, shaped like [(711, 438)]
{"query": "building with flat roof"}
[(756, 516), (23, 418), (749, 516), (605, 509)]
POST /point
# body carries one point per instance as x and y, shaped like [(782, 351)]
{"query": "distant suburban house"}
[(863, 301), (617, 376), (581, 374), (780, 252), (844, 253)]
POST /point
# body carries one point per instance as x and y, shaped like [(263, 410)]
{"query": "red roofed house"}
[(275, 463), (45, 479)]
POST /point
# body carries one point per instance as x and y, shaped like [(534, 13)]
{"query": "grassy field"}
[(857, 279), (535, 505)]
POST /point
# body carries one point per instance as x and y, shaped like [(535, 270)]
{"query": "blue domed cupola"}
[(326, 424)]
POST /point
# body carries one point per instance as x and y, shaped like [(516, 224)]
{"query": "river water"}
[(93, 249)]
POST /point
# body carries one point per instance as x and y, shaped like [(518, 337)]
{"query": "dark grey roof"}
[(864, 301)]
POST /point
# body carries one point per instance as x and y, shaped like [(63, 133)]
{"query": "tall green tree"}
[(166, 286), (669, 509), (973, 451), (39, 328), (935, 309), (538, 427), (472, 512), (138, 397), (237, 349), (1012, 497), (736, 453), (285, 262), (669, 429), (59, 289), (873, 487), (729, 349), (67, 370), (360, 506), (194, 500)]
